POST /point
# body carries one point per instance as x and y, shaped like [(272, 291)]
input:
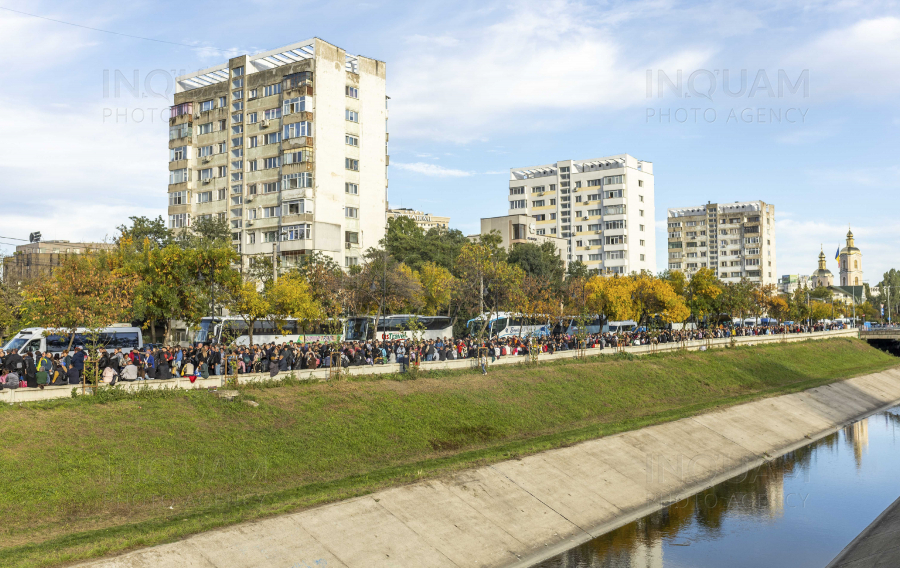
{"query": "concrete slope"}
[(518, 512), (878, 546)]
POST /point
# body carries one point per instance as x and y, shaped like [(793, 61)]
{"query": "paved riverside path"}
[(516, 513), (878, 546)]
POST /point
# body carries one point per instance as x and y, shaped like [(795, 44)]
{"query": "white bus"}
[(396, 326), (508, 324), (233, 330), (53, 341)]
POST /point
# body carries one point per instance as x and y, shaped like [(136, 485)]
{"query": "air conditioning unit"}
[(207, 180), (347, 245), (249, 223), (585, 218), (249, 200), (207, 159), (264, 123)]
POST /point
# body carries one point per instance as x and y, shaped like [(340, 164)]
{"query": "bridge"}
[(881, 333)]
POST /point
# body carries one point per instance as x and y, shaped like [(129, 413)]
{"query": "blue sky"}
[(477, 88)]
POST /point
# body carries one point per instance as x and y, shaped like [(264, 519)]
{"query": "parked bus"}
[(52, 341), (233, 330), (507, 324), (396, 326)]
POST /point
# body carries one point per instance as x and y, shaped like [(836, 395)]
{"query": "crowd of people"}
[(37, 370)]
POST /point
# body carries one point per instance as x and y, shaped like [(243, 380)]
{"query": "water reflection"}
[(797, 510)]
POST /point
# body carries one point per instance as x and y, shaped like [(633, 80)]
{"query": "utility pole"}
[(274, 261)]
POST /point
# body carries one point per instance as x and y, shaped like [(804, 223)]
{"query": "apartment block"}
[(41, 259), (425, 220), (736, 240), (515, 229), (290, 146), (603, 208)]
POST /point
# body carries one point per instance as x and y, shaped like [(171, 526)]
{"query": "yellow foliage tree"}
[(437, 288)]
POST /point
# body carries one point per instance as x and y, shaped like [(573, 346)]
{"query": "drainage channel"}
[(799, 510)]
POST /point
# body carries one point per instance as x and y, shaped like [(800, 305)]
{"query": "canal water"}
[(797, 511)]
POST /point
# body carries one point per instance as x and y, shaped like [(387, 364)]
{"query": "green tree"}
[(701, 292), (487, 283), (144, 232), (540, 261), (408, 243)]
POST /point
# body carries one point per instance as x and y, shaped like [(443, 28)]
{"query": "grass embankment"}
[(83, 478)]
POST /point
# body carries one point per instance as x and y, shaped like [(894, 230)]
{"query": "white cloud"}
[(862, 60), (513, 75), (432, 170)]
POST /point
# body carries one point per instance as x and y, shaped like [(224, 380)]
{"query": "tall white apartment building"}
[(736, 240), (289, 145), (603, 208)]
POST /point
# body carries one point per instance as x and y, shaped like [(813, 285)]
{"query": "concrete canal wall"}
[(519, 512), (50, 393)]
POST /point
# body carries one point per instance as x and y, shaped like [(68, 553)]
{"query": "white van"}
[(50, 341)]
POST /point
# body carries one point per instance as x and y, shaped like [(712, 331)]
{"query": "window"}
[(179, 221), (297, 181), (351, 261), (297, 129), (538, 203), (237, 142), (269, 212), (251, 214), (552, 216), (351, 115), (237, 95), (615, 255), (640, 227), (351, 140), (352, 92), (251, 189), (204, 151), (180, 131), (295, 207), (183, 108), (593, 212), (351, 164), (517, 191), (541, 231), (614, 210), (222, 171), (237, 165), (351, 188), (269, 163), (298, 157), (273, 138), (297, 104), (220, 194), (643, 242), (641, 212), (351, 212), (297, 80), (253, 141), (552, 202), (237, 71), (220, 149), (270, 90), (613, 179), (251, 237), (270, 237), (206, 106), (179, 153), (178, 176), (618, 240), (298, 232), (271, 187), (178, 198), (615, 225), (518, 204), (641, 198), (252, 117), (612, 194), (253, 164), (220, 125), (577, 199), (593, 182), (593, 257), (641, 184), (351, 237), (203, 197), (539, 217), (205, 128), (237, 200)]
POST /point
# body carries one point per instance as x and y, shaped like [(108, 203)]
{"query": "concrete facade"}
[(40, 259), (603, 208), (735, 240), (519, 512), (516, 229), (422, 219), (290, 146)]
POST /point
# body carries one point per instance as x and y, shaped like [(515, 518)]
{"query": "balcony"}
[(298, 142), (302, 116), (299, 193)]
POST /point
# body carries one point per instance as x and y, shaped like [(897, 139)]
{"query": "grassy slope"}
[(85, 479)]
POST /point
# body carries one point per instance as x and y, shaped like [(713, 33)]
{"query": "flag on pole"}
[(837, 254)]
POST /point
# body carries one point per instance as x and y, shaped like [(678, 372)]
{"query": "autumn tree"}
[(88, 290), (437, 288), (487, 284), (610, 296), (701, 292)]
